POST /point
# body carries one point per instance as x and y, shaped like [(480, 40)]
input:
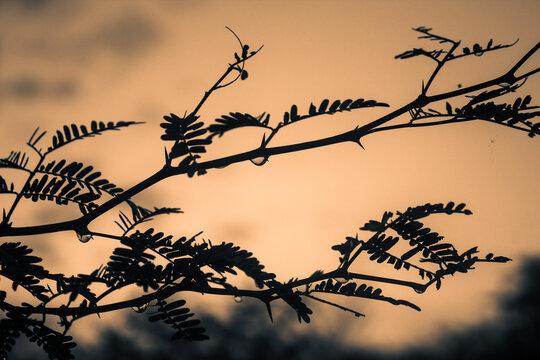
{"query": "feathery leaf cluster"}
[(162, 266)]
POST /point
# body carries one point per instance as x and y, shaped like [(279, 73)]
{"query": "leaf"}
[(234, 121), (345, 104), (411, 253), (372, 225), (175, 304), (175, 315), (412, 53), (22, 268), (501, 259), (294, 113), (15, 160), (286, 118), (226, 256), (361, 291), (64, 182), (346, 248), (72, 133), (526, 101), (516, 104), (312, 110), (448, 108), (56, 345), (83, 176), (335, 105), (266, 119), (180, 130), (323, 105), (61, 191), (4, 189)]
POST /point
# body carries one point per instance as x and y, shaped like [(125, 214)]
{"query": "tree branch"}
[(354, 135)]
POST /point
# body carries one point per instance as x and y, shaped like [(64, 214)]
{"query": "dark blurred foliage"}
[(514, 334), (248, 334)]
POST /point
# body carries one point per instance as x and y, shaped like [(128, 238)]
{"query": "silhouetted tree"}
[(163, 265)]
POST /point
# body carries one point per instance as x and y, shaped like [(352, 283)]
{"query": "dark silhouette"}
[(247, 335), (163, 266)]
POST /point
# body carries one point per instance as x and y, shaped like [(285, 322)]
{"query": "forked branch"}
[(163, 267)]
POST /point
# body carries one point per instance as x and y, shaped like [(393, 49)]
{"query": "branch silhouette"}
[(165, 265)]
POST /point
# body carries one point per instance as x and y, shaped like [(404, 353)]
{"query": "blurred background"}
[(64, 62)]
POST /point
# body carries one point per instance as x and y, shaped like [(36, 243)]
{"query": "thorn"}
[(167, 159), (263, 141), (269, 309)]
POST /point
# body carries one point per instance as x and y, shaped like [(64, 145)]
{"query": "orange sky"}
[(73, 62)]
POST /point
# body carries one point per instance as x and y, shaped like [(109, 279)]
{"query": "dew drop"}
[(342, 280), (419, 291), (84, 238), (238, 299), (259, 161), (140, 309)]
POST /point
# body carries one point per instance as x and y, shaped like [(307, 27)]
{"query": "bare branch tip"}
[(236, 36)]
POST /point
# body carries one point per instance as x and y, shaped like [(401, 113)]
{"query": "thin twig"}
[(440, 64), (346, 309)]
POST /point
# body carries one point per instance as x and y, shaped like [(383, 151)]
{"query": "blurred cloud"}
[(76, 31), (248, 334), (126, 34), (80, 38), (29, 88)]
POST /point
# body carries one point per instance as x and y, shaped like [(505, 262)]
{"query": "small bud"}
[(245, 51)]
